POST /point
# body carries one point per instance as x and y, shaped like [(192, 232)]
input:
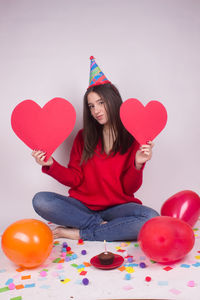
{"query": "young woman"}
[(104, 172)]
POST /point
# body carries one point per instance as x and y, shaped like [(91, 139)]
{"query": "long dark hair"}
[(93, 131)]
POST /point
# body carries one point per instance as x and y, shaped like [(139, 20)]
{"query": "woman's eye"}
[(101, 102)]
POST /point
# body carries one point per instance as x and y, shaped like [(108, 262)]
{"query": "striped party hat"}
[(96, 75)]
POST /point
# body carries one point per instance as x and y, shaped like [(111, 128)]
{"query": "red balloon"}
[(166, 239), (27, 242), (184, 205)]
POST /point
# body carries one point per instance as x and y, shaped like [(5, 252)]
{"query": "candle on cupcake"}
[(106, 257)]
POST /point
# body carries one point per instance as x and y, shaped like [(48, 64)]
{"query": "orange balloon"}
[(27, 242)]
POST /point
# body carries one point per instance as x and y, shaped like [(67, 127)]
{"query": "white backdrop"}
[(149, 49)]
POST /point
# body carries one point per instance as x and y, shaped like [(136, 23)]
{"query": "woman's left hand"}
[(143, 154)]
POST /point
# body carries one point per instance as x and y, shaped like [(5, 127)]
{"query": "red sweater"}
[(103, 181)]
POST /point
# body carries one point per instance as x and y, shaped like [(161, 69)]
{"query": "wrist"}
[(49, 163), (138, 166)]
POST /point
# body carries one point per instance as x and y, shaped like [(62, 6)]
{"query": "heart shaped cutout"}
[(43, 128), (143, 122)]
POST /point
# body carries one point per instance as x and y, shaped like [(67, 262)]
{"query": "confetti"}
[(197, 257), (129, 270), (78, 281), (83, 273), (11, 286), (56, 260), (148, 278), (29, 285), (67, 259), (168, 268), (80, 242), (191, 283), (185, 266), (62, 277), (10, 280), (65, 280), (4, 289), (131, 265), (21, 269), (81, 266), (127, 276), (80, 270), (175, 291), (59, 266), (197, 264), (162, 283), (19, 286), (87, 264), (142, 258), (152, 261), (130, 259), (85, 281), (61, 270), (25, 277), (43, 273), (45, 286), (127, 287), (56, 243), (122, 268), (142, 265)]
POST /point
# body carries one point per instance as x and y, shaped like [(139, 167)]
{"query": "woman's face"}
[(97, 107)]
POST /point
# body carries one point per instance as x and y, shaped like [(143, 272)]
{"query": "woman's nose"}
[(96, 109)]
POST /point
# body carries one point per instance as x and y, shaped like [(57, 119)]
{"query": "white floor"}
[(182, 281)]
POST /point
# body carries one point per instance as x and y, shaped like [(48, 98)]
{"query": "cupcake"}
[(106, 258)]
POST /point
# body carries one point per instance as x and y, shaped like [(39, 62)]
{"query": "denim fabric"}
[(123, 221)]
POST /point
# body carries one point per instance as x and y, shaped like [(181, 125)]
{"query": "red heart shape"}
[(143, 122), (43, 128)]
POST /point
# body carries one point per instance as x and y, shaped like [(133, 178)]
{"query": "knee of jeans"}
[(153, 214), (38, 200)]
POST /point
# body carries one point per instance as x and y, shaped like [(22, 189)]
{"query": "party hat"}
[(96, 75)]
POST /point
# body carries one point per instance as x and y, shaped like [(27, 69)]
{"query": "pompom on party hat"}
[(97, 77)]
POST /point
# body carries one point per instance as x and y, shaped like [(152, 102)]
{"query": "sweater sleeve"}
[(132, 177), (72, 175)]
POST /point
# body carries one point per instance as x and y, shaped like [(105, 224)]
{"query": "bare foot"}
[(104, 222), (65, 232)]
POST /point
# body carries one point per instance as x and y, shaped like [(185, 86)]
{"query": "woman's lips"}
[(99, 117)]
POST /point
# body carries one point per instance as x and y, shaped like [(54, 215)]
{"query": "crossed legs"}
[(121, 222)]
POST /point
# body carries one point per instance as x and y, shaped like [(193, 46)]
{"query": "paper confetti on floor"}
[(68, 274)]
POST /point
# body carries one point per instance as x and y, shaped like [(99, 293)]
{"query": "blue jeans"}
[(123, 221)]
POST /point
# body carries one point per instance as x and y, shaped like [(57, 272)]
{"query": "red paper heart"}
[(43, 128), (143, 122)]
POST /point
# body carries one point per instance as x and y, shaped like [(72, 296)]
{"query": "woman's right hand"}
[(40, 157)]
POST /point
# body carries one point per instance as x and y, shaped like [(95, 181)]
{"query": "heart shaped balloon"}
[(143, 122), (184, 205), (43, 128)]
